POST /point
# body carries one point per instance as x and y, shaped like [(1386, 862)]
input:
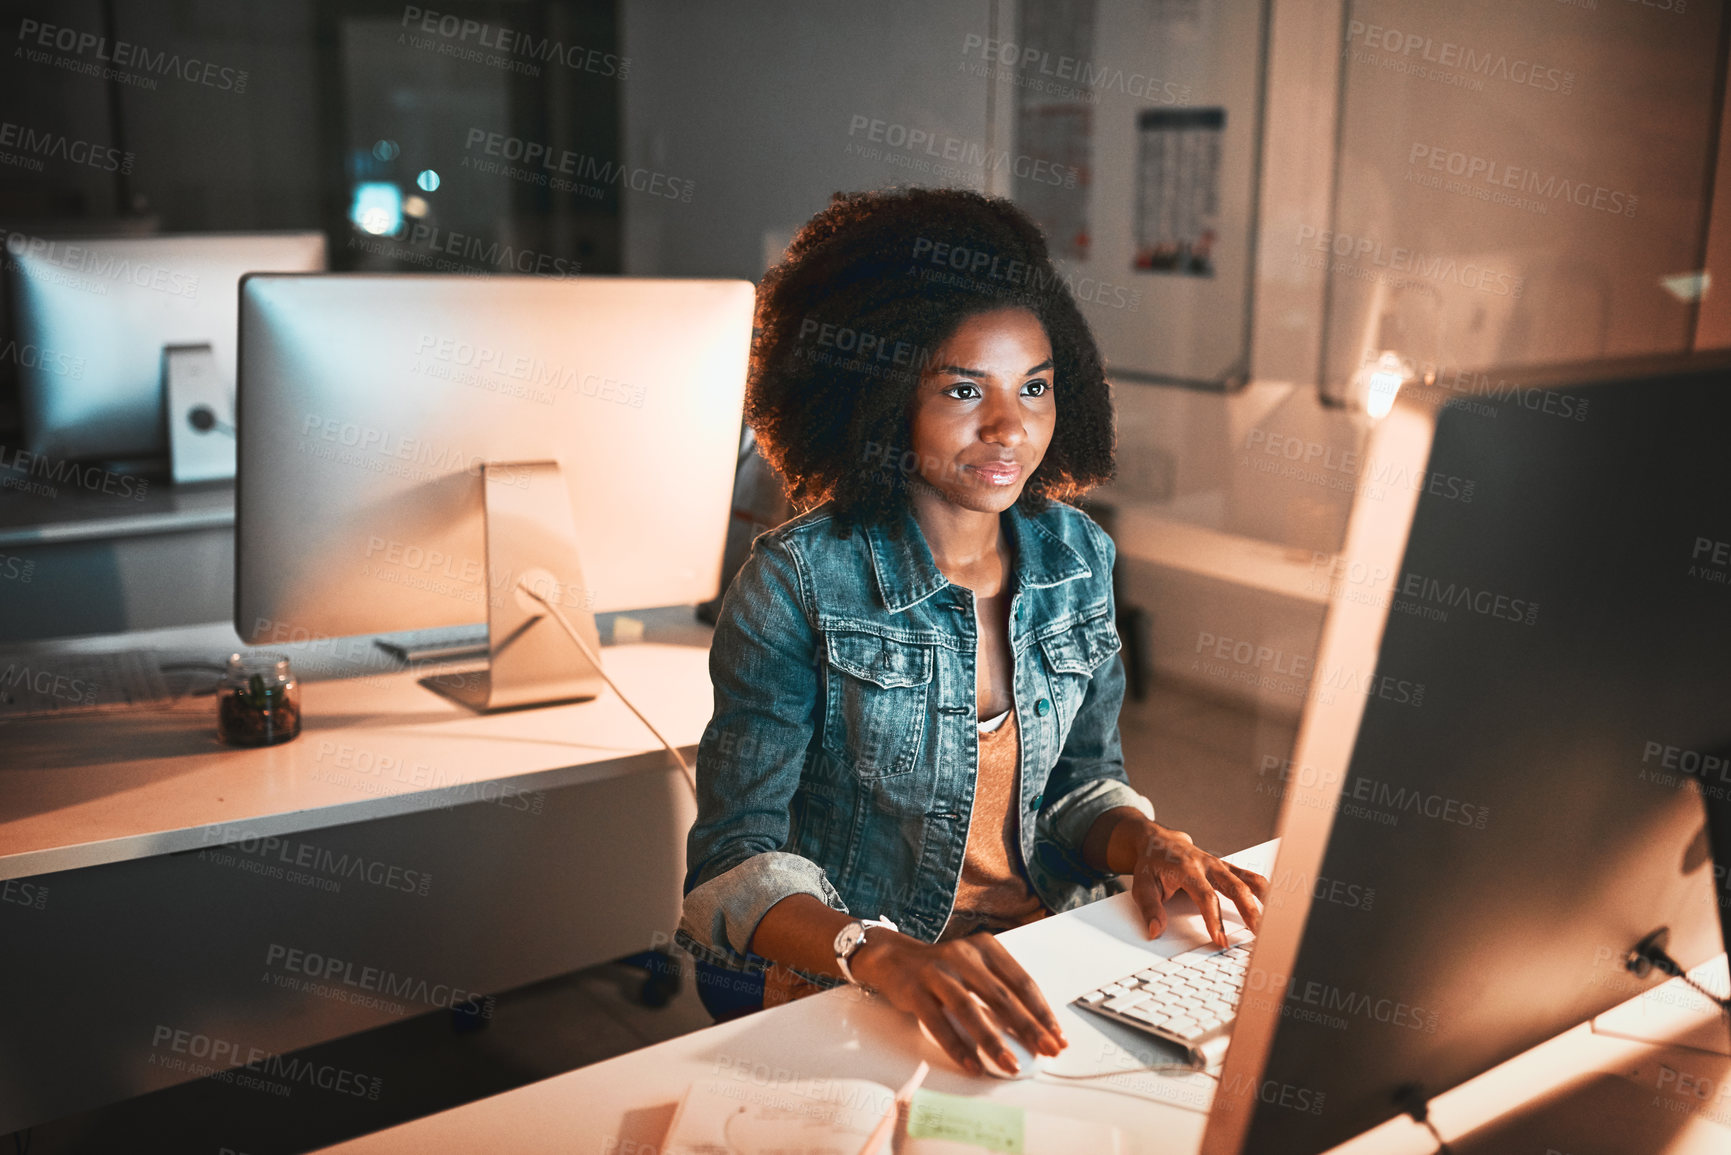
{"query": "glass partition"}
[(1516, 184)]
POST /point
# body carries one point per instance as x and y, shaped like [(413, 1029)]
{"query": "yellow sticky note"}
[(958, 1119)]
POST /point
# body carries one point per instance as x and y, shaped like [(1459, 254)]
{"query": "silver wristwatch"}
[(850, 938)]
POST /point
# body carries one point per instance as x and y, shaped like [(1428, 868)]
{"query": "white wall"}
[(1618, 101), (753, 100)]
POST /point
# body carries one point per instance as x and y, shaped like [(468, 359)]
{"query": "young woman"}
[(917, 683)]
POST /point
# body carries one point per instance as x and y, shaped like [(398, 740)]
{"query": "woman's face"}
[(983, 413)]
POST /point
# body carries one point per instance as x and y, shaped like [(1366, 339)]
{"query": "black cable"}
[(203, 418), (1649, 955), (1411, 1099), (1644, 957)]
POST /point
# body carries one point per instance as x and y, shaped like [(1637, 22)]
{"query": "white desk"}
[(599, 1110), (624, 1106), (148, 871), (82, 791)]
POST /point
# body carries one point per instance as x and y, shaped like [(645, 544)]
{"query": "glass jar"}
[(260, 701)]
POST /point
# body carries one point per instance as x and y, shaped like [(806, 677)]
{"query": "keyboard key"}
[(1184, 1001)]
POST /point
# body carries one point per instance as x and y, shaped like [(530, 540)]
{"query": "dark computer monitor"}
[(1716, 796), (1524, 677), (103, 310)]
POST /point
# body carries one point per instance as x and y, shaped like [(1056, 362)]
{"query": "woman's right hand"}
[(925, 979)]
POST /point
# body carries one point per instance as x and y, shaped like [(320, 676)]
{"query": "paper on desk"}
[(940, 1124), (963, 1122), (805, 1117), (835, 1117)]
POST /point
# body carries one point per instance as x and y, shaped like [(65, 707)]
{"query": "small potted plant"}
[(260, 701)]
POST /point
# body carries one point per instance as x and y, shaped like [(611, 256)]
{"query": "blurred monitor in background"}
[(102, 313)]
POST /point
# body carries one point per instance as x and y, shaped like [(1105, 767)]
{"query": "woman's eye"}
[(963, 392), (1037, 388)]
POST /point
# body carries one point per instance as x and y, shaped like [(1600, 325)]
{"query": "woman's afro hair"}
[(869, 288)]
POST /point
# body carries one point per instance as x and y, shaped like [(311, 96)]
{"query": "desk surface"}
[(72, 505), (82, 791), (842, 1034)]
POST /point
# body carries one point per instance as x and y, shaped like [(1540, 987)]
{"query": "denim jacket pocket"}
[(1072, 655), (876, 702)]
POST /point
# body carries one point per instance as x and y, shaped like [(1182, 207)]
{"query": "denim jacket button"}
[(1042, 707), (1035, 804)]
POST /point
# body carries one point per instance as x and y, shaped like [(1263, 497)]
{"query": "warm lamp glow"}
[(1378, 384)]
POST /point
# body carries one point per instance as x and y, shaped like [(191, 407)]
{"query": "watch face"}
[(848, 938)]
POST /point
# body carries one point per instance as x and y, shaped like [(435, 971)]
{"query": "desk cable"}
[(1411, 1099), (1193, 1067), (1084, 1081), (594, 659), (1649, 955)]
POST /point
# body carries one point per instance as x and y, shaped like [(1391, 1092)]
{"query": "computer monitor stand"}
[(198, 411), (531, 539)]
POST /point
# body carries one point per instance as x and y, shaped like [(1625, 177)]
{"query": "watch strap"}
[(841, 960)]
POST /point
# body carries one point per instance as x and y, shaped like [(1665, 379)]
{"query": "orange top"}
[(994, 893)]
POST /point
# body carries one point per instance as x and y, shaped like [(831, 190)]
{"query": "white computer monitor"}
[(414, 448), (102, 311)]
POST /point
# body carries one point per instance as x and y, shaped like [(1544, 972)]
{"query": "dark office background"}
[(329, 102)]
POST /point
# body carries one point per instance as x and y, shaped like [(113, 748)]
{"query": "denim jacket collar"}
[(907, 574)]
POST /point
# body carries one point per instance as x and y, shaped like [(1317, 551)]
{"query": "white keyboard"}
[(1191, 1000), (78, 683)]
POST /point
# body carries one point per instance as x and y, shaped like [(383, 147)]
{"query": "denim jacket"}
[(841, 757)]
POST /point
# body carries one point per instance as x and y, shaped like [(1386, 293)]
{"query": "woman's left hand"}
[(1167, 861)]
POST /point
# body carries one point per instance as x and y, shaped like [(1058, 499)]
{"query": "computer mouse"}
[(1026, 1061)]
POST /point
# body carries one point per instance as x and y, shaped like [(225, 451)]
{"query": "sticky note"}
[(959, 1119)]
